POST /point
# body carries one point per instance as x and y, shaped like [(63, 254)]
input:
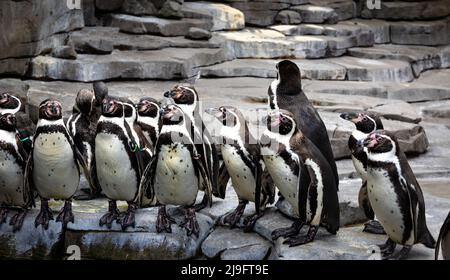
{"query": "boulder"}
[(316, 14), (223, 17), (260, 13), (14, 66), (428, 33), (288, 17), (171, 9), (198, 34), (65, 52), (379, 28), (139, 7)]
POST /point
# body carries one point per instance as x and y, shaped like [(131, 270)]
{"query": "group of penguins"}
[(152, 155)]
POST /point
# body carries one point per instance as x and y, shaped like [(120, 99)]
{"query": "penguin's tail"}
[(428, 240)]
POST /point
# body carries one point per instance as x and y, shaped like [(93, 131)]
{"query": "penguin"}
[(11, 104), (117, 163), (83, 133), (101, 92), (303, 176), (444, 240), (241, 157), (395, 195), (135, 132), (285, 92), (186, 97), (149, 118), (365, 124), (13, 157), (53, 165), (176, 172)]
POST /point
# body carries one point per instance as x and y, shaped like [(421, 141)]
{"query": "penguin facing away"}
[(176, 172), (148, 118), (13, 192), (117, 164), (286, 93), (395, 196), (241, 157), (444, 240), (364, 125), (303, 176), (186, 97), (53, 166)]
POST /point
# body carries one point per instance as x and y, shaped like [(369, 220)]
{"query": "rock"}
[(403, 10), (154, 25), (142, 242), (234, 244), (400, 111), (344, 9), (139, 7), (31, 242), (316, 14), (288, 17), (14, 66), (169, 63), (428, 33), (29, 28), (379, 28), (321, 46), (223, 17), (260, 13), (422, 58), (65, 52), (439, 110), (198, 34), (89, 12), (346, 88), (383, 70), (109, 5), (171, 9)]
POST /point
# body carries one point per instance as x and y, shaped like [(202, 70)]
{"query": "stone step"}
[(260, 13), (329, 13), (427, 33), (169, 63), (421, 58), (403, 10), (154, 25)]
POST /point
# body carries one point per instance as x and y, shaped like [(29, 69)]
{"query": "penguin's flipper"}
[(258, 187), (207, 183), (28, 183), (313, 189), (364, 203), (268, 186), (222, 183), (445, 229), (82, 162), (147, 179)]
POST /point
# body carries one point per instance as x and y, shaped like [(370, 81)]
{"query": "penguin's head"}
[(148, 107), (381, 142), (288, 72), (50, 109), (112, 107), (227, 115), (182, 95), (172, 115), (9, 102), (8, 122), (100, 91), (364, 122), (85, 101), (281, 121), (129, 109)]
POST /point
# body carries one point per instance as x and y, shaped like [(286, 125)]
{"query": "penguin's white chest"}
[(55, 172), (282, 175), (116, 175), (11, 181), (359, 168), (241, 176), (383, 199), (175, 179)]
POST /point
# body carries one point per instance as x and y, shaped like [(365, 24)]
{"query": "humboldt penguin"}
[(53, 165), (13, 192), (395, 196), (11, 104), (83, 132), (303, 176), (186, 97), (444, 240), (286, 93), (149, 119), (101, 92), (176, 172), (365, 124), (117, 163), (241, 157)]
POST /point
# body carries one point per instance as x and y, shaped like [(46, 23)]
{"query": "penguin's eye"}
[(365, 119), (379, 138)]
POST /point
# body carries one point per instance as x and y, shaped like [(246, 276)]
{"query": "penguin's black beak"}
[(348, 116), (167, 94)]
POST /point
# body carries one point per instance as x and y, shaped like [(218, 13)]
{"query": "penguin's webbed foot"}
[(17, 220), (190, 223), (164, 221), (374, 227), (128, 219), (302, 239), (111, 215), (3, 215), (289, 231), (250, 221), (400, 255), (65, 215), (233, 218), (44, 216), (387, 249)]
